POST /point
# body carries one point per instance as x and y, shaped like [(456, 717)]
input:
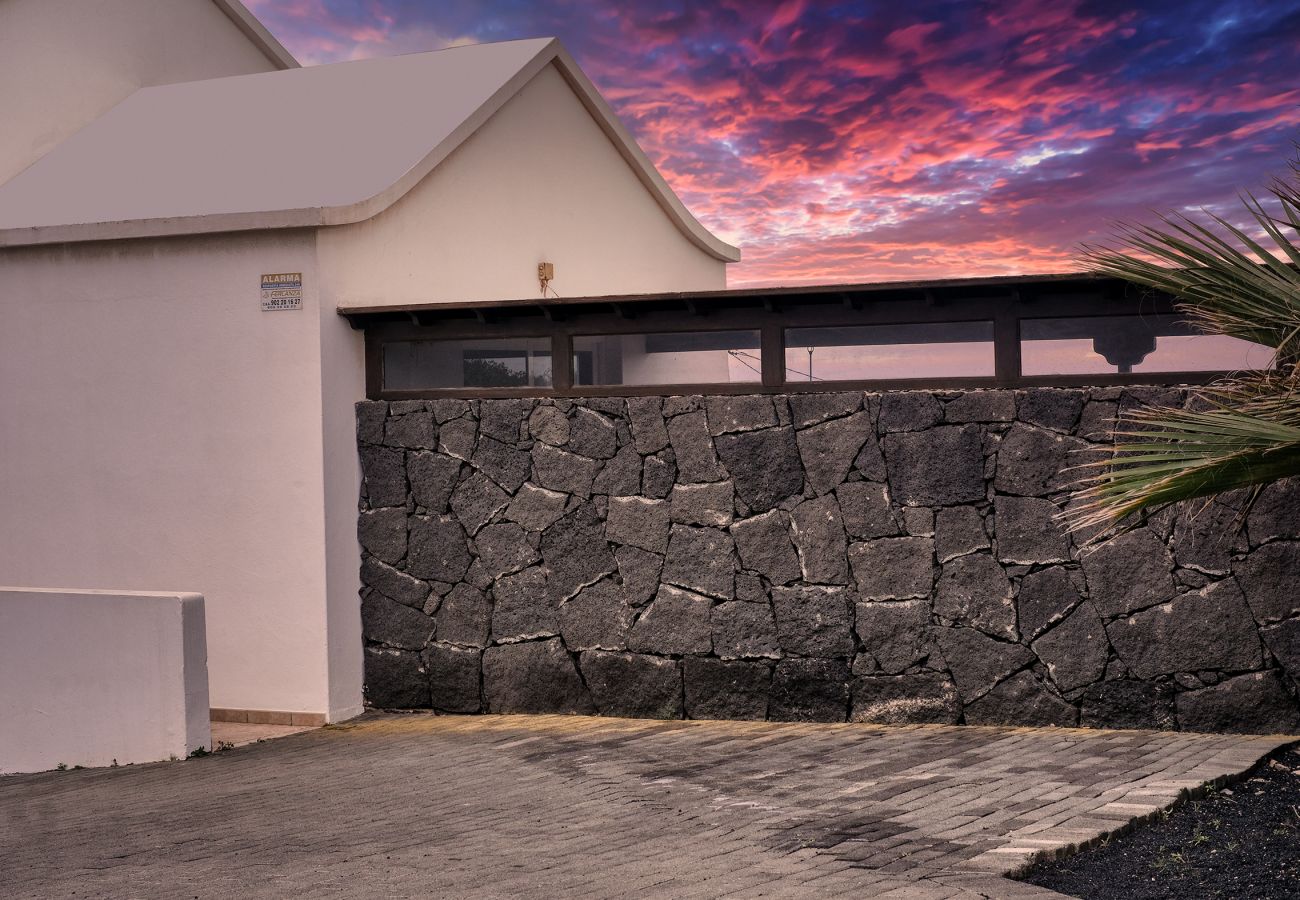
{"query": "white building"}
[(161, 431)]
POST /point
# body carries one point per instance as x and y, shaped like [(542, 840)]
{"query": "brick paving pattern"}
[(549, 806)]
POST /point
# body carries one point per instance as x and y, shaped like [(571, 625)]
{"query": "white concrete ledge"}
[(89, 678)]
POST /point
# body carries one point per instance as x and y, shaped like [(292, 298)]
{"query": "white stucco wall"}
[(538, 182), (95, 678), (64, 62), (161, 432)]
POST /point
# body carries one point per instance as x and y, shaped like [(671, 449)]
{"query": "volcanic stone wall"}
[(883, 558)]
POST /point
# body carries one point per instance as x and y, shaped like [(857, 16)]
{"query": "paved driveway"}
[(403, 806)]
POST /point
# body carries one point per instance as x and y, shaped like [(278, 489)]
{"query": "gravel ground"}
[(1242, 842)]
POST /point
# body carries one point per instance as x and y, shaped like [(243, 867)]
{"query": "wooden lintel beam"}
[(621, 310), (771, 305)]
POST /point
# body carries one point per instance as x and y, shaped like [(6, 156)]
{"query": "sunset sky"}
[(839, 142)]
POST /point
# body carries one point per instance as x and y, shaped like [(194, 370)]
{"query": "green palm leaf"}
[(1240, 433)]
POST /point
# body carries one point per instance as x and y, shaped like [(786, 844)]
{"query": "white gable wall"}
[(65, 62), (163, 433), (540, 181)]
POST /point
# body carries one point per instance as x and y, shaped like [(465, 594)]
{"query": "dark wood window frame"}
[(1004, 302)]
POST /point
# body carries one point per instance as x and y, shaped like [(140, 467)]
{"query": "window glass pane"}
[(505, 362), (1096, 345), (684, 357), (879, 352)]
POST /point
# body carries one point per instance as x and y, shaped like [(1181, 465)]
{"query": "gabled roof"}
[(305, 147), (256, 32)]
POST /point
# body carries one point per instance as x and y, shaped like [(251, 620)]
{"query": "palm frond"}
[(1246, 434), (1241, 433), (1228, 281)]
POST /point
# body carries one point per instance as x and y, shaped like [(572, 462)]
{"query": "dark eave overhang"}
[(938, 292)]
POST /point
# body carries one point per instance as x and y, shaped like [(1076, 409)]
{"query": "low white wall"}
[(92, 677)]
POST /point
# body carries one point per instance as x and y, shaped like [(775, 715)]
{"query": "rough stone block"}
[(638, 522), (1206, 537), (743, 630), (633, 685), (1028, 532), (1128, 703), (918, 522), (591, 434), (465, 617), (810, 690), (925, 697), (549, 425), (1276, 514), (828, 450), (503, 463), (1270, 578), (865, 510), (523, 609), (676, 623), (561, 470), (370, 421), (764, 545), (1022, 700), (1075, 651), (977, 661), (943, 466), (393, 584), (1209, 629), (909, 411), (415, 431), (1283, 641), (575, 553), (437, 549), (504, 419), (893, 568), (728, 414), (764, 465), (693, 448), (981, 406), (383, 473), (476, 500), (704, 504), (394, 679), (1033, 461), (1045, 597), (658, 474), (536, 508), (621, 476), (503, 548), (598, 618), (1255, 703), (1097, 422), (894, 635), (809, 409), (958, 530), (388, 622), (457, 438), (649, 434), (453, 674), (1129, 572), (535, 677), (433, 478), (814, 620), (723, 689), (1051, 408), (447, 409), (973, 590), (382, 532), (640, 572), (819, 539), (701, 559), (750, 588)]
